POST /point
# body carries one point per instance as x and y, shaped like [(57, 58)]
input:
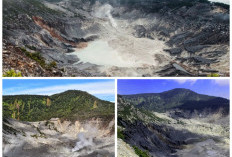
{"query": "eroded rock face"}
[(194, 34), (55, 138)]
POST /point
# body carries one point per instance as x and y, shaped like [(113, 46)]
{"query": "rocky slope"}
[(125, 149), (176, 132), (135, 38)]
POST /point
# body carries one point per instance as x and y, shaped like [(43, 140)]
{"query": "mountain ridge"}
[(70, 105), (175, 98), (165, 92)]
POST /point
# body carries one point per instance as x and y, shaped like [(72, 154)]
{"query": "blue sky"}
[(101, 88), (214, 87)]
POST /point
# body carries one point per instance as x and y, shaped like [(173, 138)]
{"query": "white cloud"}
[(221, 82), (183, 81), (97, 88)]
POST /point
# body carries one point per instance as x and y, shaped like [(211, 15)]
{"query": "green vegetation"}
[(140, 152), (151, 115), (36, 56), (120, 134), (70, 105), (126, 111), (94, 105), (12, 73), (41, 134), (31, 47), (52, 64), (136, 114), (131, 113), (213, 75)]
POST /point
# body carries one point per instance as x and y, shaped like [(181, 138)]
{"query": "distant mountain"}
[(69, 105), (177, 98)]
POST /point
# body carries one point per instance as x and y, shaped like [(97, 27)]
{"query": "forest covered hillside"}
[(69, 105)]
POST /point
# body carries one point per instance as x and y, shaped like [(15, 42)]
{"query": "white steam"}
[(104, 11), (85, 138), (83, 142)]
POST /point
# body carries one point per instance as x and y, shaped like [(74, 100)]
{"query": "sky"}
[(221, 1), (213, 87), (101, 88)]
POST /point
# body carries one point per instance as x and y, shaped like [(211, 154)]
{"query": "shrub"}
[(52, 64), (140, 152), (213, 75), (36, 56), (31, 47), (120, 134), (12, 73)]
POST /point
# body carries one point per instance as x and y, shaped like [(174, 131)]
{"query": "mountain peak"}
[(177, 97), (72, 92), (179, 90)]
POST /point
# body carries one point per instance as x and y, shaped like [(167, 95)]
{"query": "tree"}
[(95, 104), (17, 104), (48, 102), (13, 115)]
